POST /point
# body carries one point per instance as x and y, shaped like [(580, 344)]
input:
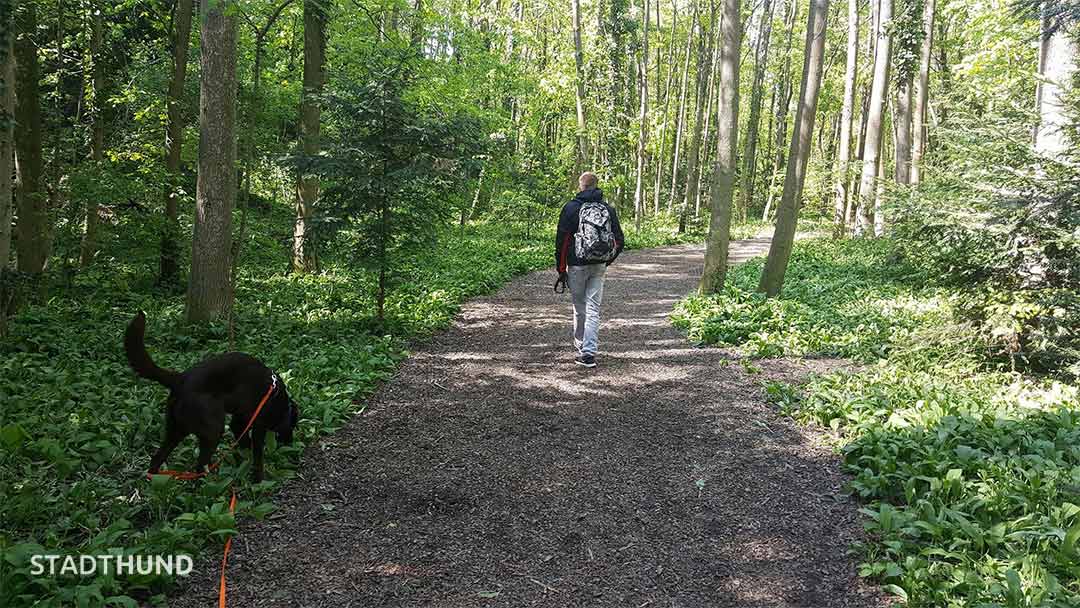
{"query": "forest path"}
[(492, 471)]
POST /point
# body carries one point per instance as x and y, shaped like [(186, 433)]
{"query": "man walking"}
[(587, 241)]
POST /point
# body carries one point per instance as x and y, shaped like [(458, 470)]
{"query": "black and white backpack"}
[(594, 241)]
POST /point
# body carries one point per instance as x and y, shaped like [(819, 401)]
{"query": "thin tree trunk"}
[(902, 129), (416, 31), (784, 91), (761, 62), (643, 118), (874, 114), (727, 142), (846, 115), (579, 81), (693, 166), (787, 213), (660, 154), (7, 129), (879, 197), (711, 94), (307, 188), (97, 141), (922, 94), (31, 232), (681, 114), (1058, 58), (169, 268), (215, 194)]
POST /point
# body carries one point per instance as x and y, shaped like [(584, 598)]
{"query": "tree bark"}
[(7, 127), (416, 32), (97, 140), (874, 114), (660, 154), (209, 285), (922, 94), (32, 230), (693, 165), (307, 188), (680, 118), (169, 265), (727, 142), (643, 118), (1057, 63), (579, 82), (761, 62), (846, 114), (902, 128), (787, 213), (783, 101)]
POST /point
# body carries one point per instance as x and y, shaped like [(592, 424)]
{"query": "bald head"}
[(587, 181)]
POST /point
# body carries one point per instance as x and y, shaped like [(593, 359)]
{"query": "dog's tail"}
[(139, 359)]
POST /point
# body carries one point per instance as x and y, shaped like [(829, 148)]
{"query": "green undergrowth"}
[(77, 427), (841, 298), (969, 472)]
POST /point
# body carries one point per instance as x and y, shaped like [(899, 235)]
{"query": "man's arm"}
[(563, 235), (616, 231)]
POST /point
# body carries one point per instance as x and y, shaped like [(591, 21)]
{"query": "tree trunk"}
[(902, 128), (846, 113), (874, 114), (643, 118), (620, 93), (660, 160), (169, 269), (783, 102), (7, 128), (787, 213), (97, 140), (922, 94), (32, 230), (727, 142), (307, 188), (1057, 63), (680, 118), (879, 196), (693, 166), (761, 62), (579, 81), (705, 156), (416, 32), (215, 194)]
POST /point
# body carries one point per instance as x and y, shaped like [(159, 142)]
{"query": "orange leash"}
[(189, 475), (225, 556)]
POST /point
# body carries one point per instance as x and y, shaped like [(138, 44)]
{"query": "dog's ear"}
[(285, 431)]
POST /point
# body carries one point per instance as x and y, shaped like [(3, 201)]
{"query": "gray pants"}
[(587, 289)]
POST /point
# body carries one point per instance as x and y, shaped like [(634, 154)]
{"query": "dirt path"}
[(492, 471)]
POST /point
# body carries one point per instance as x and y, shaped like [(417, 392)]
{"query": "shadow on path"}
[(492, 471)]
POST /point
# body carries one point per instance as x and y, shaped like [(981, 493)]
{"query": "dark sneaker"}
[(586, 361)]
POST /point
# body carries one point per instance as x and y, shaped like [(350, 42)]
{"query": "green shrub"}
[(969, 471)]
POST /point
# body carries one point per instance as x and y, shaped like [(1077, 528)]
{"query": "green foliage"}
[(389, 167), (1005, 235), (841, 298), (969, 472), (971, 480), (78, 427), (907, 31)]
